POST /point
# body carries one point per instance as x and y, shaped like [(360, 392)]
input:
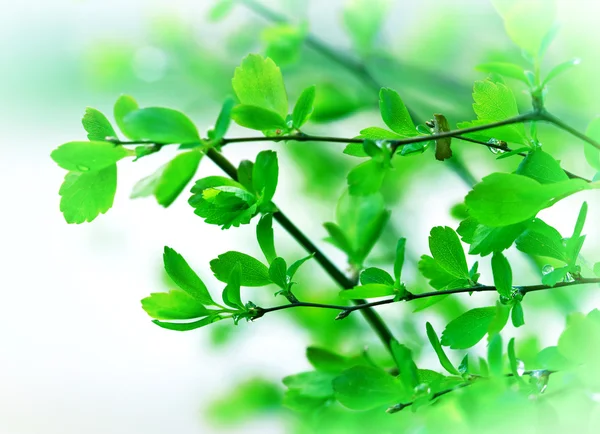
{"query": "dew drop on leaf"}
[(547, 269), (520, 367), (496, 142)]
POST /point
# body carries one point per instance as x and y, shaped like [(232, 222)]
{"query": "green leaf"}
[(527, 23), (160, 125), (375, 275), (592, 154), (258, 82), (560, 69), (366, 178), (369, 290), (325, 360), (304, 107), (221, 9), (437, 347), (293, 269), (257, 118), (174, 304), (222, 201), (223, 121), (540, 239), (87, 156), (86, 195), (338, 238), (97, 125), (404, 361), (575, 243), (264, 175), (555, 276), (231, 293), (395, 114), (438, 277), (502, 274), (186, 326), (363, 20), (495, 359), (542, 167), (503, 199), (399, 260), (485, 240), (500, 319), (469, 328), (506, 69), (516, 315), (495, 102), (125, 105), (365, 387), (182, 274), (254, 272), (284, 42), (317, 384), (264, 235), (277, 272), (167, 183), (551, 358), (245, 174), (514, 362), (448, 252)]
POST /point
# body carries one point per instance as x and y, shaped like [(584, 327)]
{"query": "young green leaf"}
[(503, 199), (160, 125), (257, 118), (375, 275), (258, 82), (264, 175), (395, 114), (187, 326), (182, 274), (469, 328), (97, 125), (284, 42), (338, 238), (506, 69), (366, 178), (527, 23), (542, 167), (502, 274), (325, 360), (500, 319), (221, 9), (304, 107), (254, 272), (555, 276), (541, 239), (125, 105), (406, 365), (363, 20), (399, 260), (574, 244), (448, 252), (438, 277), (560, 69), (370, 290), (516, 315), (174, 304), (86, 195), (437, 347), (264, 235), (245, 174), (222, 201), (485, 240), (231, 293), (223, 121), (277, 272), (513, 361), (495, 359), (365, 387), (167, 183), (87, 156), (317, 384), (293, 269)]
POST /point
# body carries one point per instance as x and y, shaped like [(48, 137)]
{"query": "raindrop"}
[(520, 367), (496, 142), (422, 389), (547, 269), (568, 278)]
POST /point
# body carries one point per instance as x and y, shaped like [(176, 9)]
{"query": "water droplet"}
[(82, 168), (540, 379), (520, 367), (496, 142), (547, 269), (422, 389), (568, 278)]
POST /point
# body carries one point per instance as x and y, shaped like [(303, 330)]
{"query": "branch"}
[(370, 315), (346, 310)]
